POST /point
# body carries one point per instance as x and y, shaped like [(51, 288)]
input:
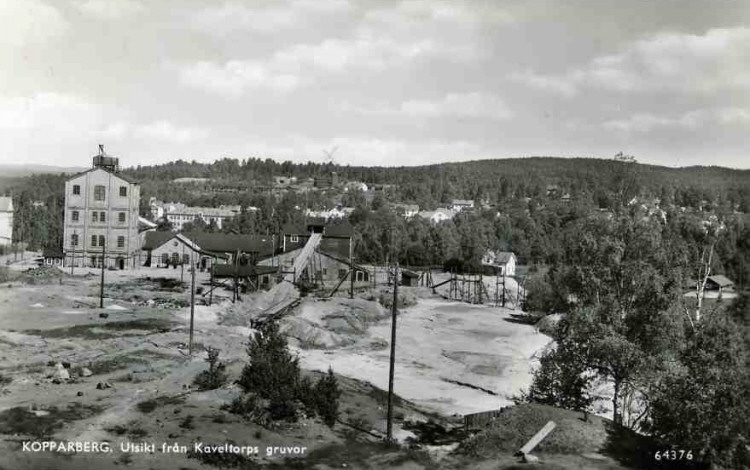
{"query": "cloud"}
[(716, 60), (452, 105), (232, 17), (109, 9), (166, 131), (29, 22), (232, 79), (409, 13), (362, 52), (693, 120), (301, 64)]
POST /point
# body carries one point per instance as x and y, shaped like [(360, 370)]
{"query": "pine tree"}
[(328, 393)]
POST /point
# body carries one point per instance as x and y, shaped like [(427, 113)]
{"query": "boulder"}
[(86, 372)]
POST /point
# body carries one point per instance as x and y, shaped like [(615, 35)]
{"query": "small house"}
[(409, 278), (53, 256), (719, 283), (503, 261)]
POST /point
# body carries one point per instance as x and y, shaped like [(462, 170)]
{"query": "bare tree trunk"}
[(616, 403), (704, 272)]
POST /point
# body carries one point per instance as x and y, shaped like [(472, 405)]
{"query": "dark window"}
[(93, 261), (102, 217), (74, 239), (76, 190), (100, 193), (164, 258), (120, 242), (360, 276), (93, 240), (175, 259), (121, 217), (123, 191), (95, 217), (342, 273), (101, 240), (74, 216), (294, 239), (185, 258), (325, 272)]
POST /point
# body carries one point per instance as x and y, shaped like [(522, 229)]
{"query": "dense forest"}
[(517, 210)]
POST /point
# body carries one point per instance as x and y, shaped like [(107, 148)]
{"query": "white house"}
[(6, 221), (437, 216), (179, 214), (458, 205), (406, 210), (505, 261)]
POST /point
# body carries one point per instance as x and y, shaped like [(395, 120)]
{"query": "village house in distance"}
[(101, 216), (6, 221)]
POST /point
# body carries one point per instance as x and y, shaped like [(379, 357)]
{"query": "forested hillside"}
[(518, 211)]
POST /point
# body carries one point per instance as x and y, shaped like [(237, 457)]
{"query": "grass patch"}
[(111, 329), (24, 422), (133, 430), (573, 434), (147, 406), (122, 361)]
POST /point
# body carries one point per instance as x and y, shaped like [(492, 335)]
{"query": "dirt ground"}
[(452, 358)]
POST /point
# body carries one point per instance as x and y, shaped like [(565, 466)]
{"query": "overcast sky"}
[(381, 82)]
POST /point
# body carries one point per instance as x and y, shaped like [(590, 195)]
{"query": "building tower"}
[(101, 216)]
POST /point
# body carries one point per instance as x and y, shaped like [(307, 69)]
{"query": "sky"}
[(374, 82)]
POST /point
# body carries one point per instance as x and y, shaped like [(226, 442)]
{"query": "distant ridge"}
[(22, 169)]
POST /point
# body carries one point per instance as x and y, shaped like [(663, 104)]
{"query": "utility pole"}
[(182, 266), (211, 292), (351, 268), (394, 312), (235, 292), (101, 285), (192, 304)]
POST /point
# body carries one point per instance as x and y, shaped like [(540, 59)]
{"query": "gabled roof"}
[(6, 204), (230, 243), (118, 175), (504, 256), (720, 280), (156, 239), (52, 252)]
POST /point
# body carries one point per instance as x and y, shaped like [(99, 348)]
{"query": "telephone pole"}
[(394, 312), (101, 285), (192, 304), (351, 268)]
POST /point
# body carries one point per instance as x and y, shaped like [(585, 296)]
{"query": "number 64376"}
[(673, 454)]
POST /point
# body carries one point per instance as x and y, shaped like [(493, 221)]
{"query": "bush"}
[(328, 393), (306, 394), (273, 373), (215, 376)]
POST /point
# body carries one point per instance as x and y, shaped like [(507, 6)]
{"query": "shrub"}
[(307, 396), (215, 376), (273, 373), (328, 393)]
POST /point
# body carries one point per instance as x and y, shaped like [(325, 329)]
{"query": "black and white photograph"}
[(374, 234)]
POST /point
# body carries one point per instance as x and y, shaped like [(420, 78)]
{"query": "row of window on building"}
[(98, 217), (100, 191), (97, 240)]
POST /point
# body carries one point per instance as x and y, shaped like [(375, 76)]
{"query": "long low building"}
[(168, 249)]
